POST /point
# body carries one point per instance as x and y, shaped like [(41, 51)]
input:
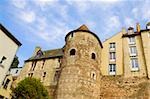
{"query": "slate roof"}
[(84, 28), (48, 54)]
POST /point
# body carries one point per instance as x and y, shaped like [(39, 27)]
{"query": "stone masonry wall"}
[(80, 75), (117, 87)]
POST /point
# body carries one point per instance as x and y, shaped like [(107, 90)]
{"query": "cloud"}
[(112, 26), (27, 16), (135, 12), (129, 22), (19, 3), (114, 22), (43, 4)]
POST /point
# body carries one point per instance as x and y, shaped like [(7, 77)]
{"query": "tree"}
[(30, 88), (15, 62)]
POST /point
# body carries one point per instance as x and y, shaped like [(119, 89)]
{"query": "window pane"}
[(112, 45), (112, 55), (134, 63), (112, 68)]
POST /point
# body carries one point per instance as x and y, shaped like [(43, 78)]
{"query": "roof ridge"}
[(52, 49)]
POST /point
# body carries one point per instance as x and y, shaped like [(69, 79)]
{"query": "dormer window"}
[(72, 52), (148, 25), (130, 30), (39, 54)]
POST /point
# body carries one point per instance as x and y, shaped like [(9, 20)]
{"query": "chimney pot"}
[(138, 29)]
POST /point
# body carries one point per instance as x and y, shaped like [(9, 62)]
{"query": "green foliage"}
[(30, 88), (15, 62)]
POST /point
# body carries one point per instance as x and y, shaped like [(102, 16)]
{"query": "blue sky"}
[(46, 22)]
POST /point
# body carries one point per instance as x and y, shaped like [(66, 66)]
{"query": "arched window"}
[(72, 52), (93, 75), (93, 56)]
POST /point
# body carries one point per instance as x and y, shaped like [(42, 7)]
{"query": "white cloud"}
[(43, 4), (135, 12), (113, 22), (129, 22), (19, 3), (42, 23), (112, 25), (27, 16), (81, 5), (145, 12)]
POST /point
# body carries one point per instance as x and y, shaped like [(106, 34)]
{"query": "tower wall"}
[(80, 75)]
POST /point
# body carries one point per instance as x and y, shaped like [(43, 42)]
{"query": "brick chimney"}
[(138, 27)]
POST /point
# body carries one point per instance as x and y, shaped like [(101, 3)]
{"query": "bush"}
[(30, 88)]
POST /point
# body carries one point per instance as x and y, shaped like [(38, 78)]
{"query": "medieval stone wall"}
[(80, 75), (118, 87)]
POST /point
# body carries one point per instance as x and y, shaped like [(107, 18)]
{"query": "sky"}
[(45, 23)]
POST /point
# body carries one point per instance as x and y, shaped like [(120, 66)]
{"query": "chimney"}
[(37, 48), (124, 30), (130, 30), (138, 27)]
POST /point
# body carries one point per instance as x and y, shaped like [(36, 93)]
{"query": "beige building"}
[(8, 48), (86, 68)]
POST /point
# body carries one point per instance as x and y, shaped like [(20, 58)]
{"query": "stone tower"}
[(80, 74)]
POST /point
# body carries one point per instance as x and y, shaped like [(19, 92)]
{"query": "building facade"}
[(86, 68), (8, 48)]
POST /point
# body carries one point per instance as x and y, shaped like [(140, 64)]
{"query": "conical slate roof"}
[(83, 27)]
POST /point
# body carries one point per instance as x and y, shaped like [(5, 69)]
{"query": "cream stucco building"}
[(8, 48), (86, 68)]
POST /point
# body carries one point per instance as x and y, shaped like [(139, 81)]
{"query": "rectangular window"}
[(6, 84), (3, 58), (134, 64), (112, 46), (133, 51), (112, 56), (131, 40), (33, 65), (112, 69), (43, 64)]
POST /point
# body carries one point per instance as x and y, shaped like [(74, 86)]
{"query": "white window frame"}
[(112, 56), (112, 46), (134, 64), (131, 40), (133, 50), (112, 69)]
